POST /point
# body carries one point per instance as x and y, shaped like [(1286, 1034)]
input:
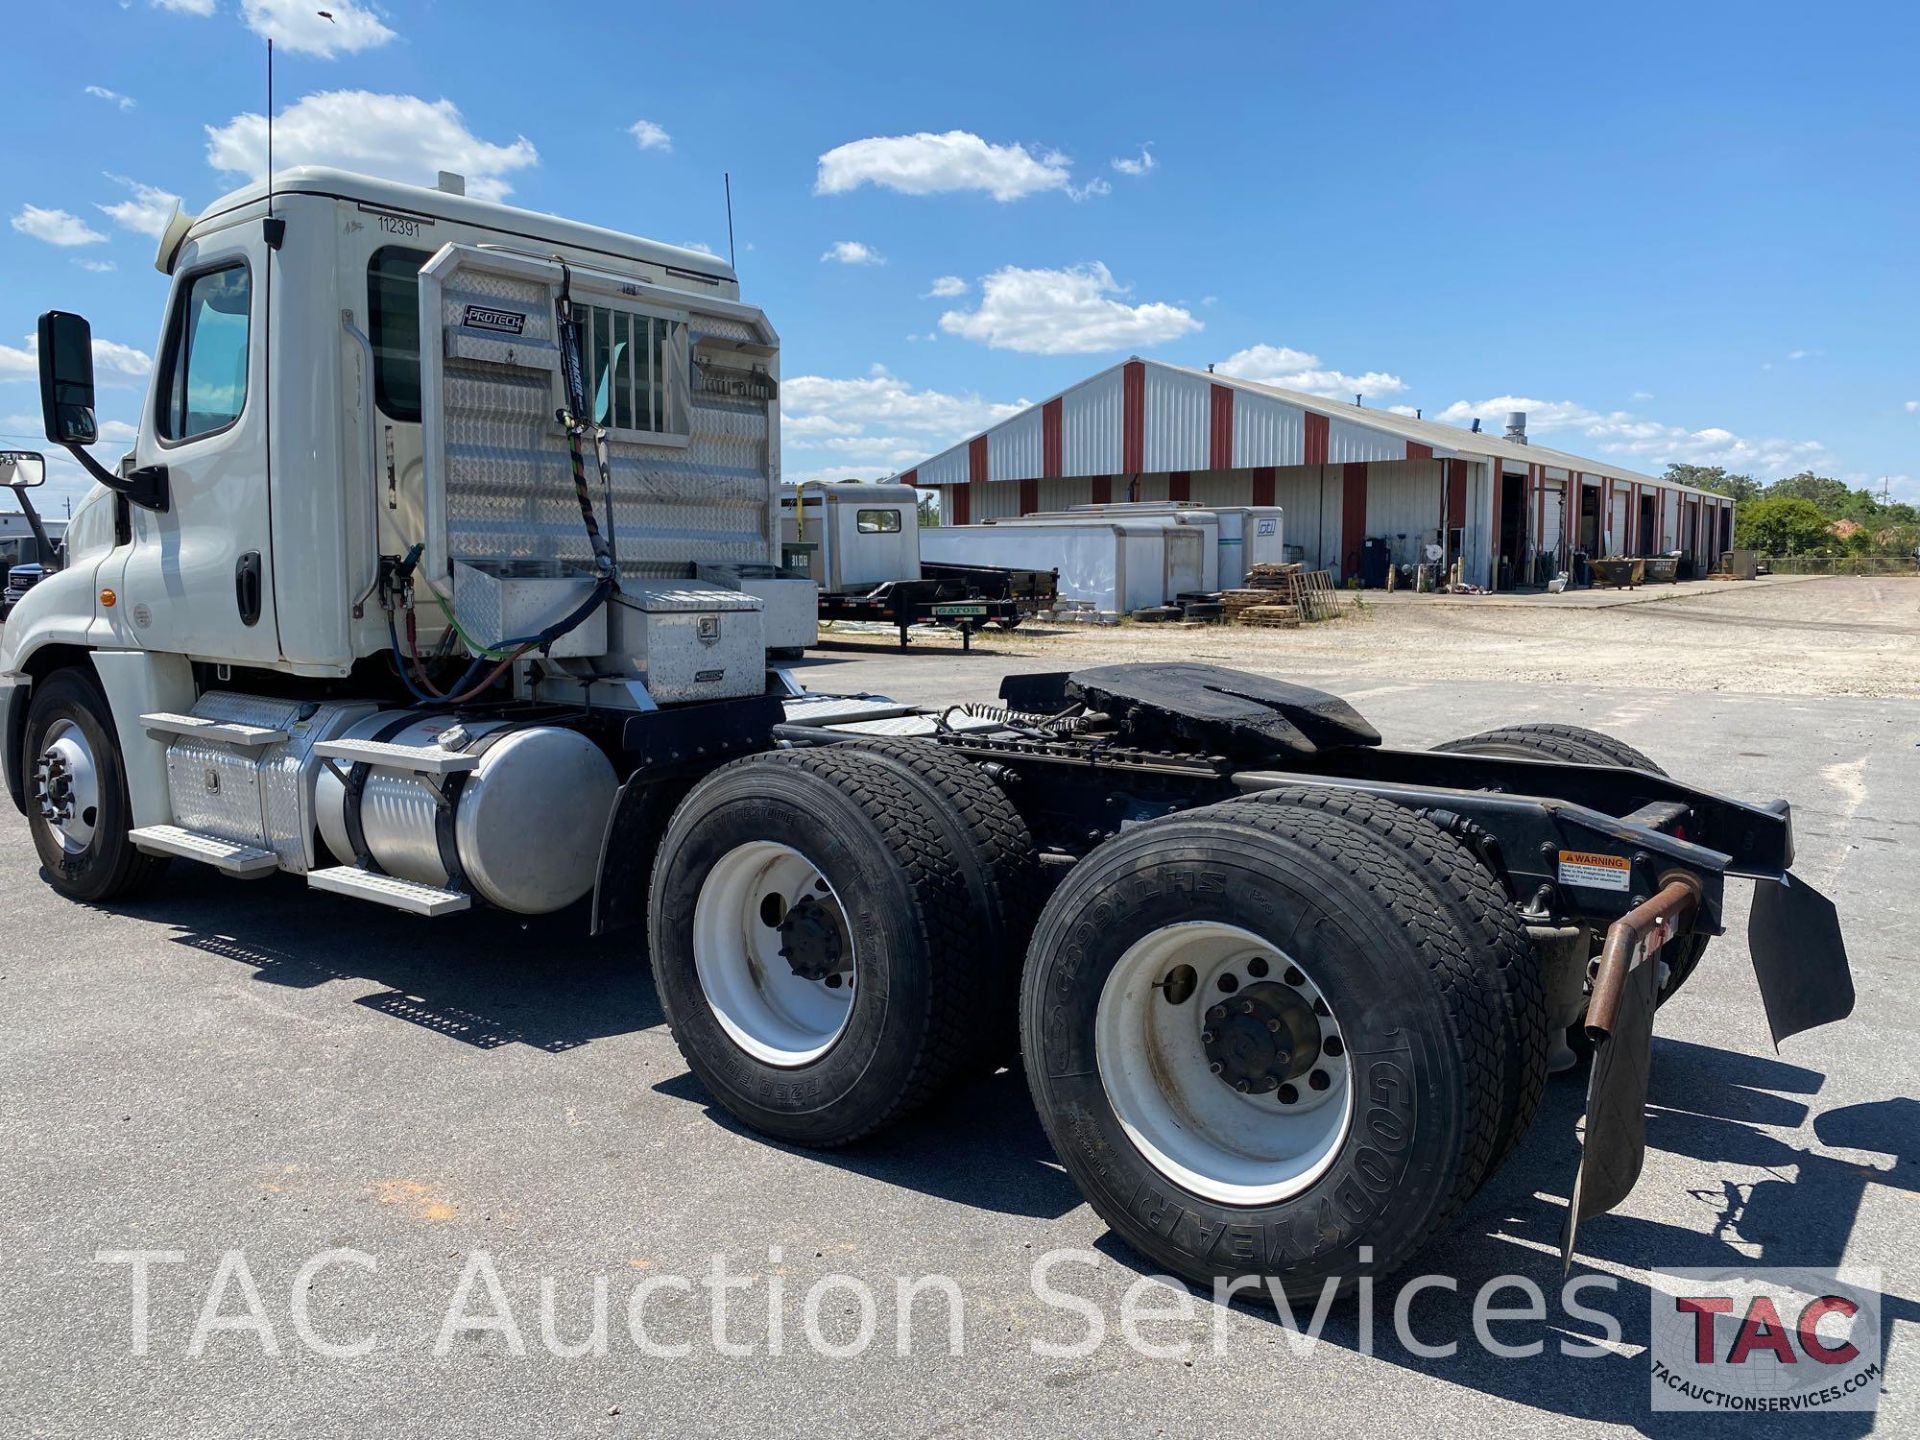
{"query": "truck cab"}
[(319, 504)]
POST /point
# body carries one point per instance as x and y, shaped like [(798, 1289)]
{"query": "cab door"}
[(199, 577)]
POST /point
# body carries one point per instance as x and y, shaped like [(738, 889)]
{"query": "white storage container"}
[(1113, 567)]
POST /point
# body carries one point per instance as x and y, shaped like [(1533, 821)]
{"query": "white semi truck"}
[(438, 573)]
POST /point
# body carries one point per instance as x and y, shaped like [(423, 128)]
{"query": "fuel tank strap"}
[(355, 788)]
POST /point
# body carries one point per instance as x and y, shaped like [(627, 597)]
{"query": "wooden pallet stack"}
[(1281, 596)]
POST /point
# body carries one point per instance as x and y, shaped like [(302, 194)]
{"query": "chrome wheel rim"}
[(774, 953), (1224, 1063), (67, 787)]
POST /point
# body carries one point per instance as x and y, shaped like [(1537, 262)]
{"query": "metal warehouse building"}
[(1146, 430)]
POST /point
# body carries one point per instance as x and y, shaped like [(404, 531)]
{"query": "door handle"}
[(246, 587)]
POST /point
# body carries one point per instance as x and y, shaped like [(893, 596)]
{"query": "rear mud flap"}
[(1800, 960), (1616, 1138), (1798, 956)]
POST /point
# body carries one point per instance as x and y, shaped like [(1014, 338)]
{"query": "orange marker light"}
[(109, 599)]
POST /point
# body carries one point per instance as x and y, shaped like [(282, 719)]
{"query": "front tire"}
[(77, 798), (1287, 912)]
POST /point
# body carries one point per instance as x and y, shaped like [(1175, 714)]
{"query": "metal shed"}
[(1509, 511)]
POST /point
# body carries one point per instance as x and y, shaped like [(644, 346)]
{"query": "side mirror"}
[(66, 409), (66, 378), (22, 469)]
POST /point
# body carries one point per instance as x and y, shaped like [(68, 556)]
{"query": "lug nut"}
[(1218, 1012), (1241, 1086), (1216, 1067), (1246, 1007), (1206, 1037), (1273, 1026)]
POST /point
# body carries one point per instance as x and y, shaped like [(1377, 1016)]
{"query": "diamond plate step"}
[(227, 856), (420, 759), (163, 724), (389, 890)]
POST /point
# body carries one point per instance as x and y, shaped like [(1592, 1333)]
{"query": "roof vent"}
[(451, 183), (1517, 426)]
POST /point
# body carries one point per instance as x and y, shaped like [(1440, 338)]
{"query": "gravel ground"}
[(259, 1069), (1786, 635)]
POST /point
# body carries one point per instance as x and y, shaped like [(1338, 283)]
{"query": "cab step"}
[(164, 725), (389, 890), (419, 759), (229, 857)]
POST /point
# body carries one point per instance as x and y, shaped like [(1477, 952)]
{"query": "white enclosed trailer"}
[(1112, 567), (851, 536), (1248, 534)]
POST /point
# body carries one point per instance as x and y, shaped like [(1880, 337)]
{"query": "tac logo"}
[(1765, 1339)]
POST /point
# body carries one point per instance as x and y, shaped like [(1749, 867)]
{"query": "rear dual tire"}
[(830, 932), (1577, 745), (1336, 908)]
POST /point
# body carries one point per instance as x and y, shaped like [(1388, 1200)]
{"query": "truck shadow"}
[(1708, 1105), (483, 979)]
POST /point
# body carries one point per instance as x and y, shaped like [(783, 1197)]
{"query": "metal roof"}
[(1016, 447)]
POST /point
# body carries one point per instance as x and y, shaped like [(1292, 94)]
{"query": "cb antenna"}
[(726, 179), (274, 230)]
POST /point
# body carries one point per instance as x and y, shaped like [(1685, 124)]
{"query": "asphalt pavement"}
[(249, 1069)]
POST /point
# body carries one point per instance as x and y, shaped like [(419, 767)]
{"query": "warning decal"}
[(1596, 872)]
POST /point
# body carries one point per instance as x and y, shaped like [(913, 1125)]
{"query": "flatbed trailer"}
[(958, 601)]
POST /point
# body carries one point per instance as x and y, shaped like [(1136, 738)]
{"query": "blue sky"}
[(1673, 232)]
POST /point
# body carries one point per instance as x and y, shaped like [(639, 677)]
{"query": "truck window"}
[(205, 366), (877, 522), (636, 369), (393, 315)]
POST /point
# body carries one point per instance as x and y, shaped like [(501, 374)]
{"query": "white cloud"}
[(949, 286), (853, 252), (112, 97), (1641, 395), (701, 247), (929, 164), (399, 136), (300, 25), (1804, 354), (1292, 369), (649, 136), (1913, 407), (98, 267), (1140, 166), (56, 227), (1064, 312), (1092, 190), (146, 213), (1644, 443), (873, 425), (111, 361), (202, 8)]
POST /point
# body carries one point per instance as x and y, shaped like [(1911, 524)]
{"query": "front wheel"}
[(1259, 1040), (77, 793)]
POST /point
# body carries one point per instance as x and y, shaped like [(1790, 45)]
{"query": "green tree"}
[(1716, 479), (1831, 497), (1781, 525), (929, 507)]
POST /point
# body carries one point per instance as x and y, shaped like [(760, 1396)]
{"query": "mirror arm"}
[(146, 487)]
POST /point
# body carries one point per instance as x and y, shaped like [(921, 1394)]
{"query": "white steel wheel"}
[(1223, 1063), (67, 786), (774, 953)]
